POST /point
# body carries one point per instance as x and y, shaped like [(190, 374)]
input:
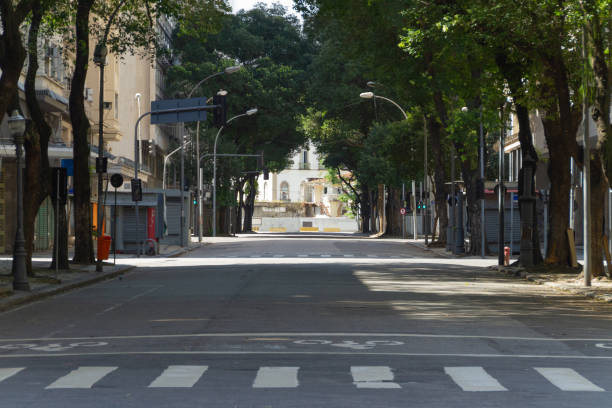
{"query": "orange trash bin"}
[(104, 244)]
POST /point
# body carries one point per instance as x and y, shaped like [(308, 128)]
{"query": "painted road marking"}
[(372, 256), (325, 256), (567, 379), (279, 256), (276, 377), (349, 255), (83, 377), (373, 377), (473, 379), (303, 256), (179, 376), (9, 372)]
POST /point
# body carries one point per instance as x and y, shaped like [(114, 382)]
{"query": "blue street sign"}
[(514, 197), (176, 117), (68, 164)]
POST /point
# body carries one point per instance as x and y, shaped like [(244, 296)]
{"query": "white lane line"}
[(83, 377), (178, 376), (349, 255), (146, 292), (9, 372), (303, 334), (276, 377), (325, 256), (372, 256), (302, 256), (567, 379), (473, 379), (373, 377), (279, 256), (255, 256), (306, 353)]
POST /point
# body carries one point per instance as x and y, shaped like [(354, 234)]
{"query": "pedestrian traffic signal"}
[(266, 173), (220, 112), (136, 190)]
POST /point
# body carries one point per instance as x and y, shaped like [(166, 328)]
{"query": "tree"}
[(134, 31), (268, 44)]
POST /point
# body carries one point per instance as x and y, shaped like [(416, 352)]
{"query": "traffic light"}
[(151, 146), (136, 190), (266, 173), (220, 113), (195, 199)]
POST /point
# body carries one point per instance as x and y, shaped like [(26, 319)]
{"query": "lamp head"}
[(137, 96), (366, 95), (221, 92), (232, 69), (464, 109), (16, 125), (251, 112), (100, 53), (372, 84)]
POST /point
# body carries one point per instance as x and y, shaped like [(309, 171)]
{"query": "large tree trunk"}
[(603, 149), (599, 189), (83, 250), (12, 51), (240, 208), (434, 131), (394, 217), (470, 179), (514, 74), (250, 205), (37, 172), (365, 210)]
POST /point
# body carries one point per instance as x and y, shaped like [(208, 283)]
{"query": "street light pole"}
[(100, 53), (214, 180), (482, 200), (16, 124)]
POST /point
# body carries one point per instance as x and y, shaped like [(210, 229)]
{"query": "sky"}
[(248, 4)]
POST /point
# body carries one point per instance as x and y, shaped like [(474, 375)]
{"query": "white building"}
[(304, 181)]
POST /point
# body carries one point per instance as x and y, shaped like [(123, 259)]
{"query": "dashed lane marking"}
[(567, 379), (179, 376), (473, 379), (83, 377), (276, 377)]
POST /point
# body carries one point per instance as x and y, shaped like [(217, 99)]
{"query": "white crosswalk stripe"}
[(473, 379), (349, 255), (83, 377), (178, 376), (567, 379), (373, 377), (9, 372), (468, 378), (276, 377)]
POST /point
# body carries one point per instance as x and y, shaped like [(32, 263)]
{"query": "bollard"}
[(506, 256)]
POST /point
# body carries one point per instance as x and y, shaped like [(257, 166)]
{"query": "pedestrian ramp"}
[(461, 378)]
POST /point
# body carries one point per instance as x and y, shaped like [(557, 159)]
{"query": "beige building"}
[(131, 83)]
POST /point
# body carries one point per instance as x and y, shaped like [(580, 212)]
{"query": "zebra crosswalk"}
[(462, 378)]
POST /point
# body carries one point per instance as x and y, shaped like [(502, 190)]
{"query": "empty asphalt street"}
[(310, 321)]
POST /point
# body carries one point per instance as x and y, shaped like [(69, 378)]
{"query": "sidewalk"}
[(573, 283), (47, 282)]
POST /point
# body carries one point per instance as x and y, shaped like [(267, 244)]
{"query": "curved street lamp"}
[(228, 71), (371, 95), (250, 112)]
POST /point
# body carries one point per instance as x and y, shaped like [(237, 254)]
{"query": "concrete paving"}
[(311, 321)]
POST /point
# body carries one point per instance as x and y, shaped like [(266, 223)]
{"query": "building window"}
[(116, 106), (284, 191), (324, 190)]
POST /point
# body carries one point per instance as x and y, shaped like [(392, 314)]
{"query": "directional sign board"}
[(176, 117)]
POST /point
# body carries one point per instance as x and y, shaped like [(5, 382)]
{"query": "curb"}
[(48, 292)]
